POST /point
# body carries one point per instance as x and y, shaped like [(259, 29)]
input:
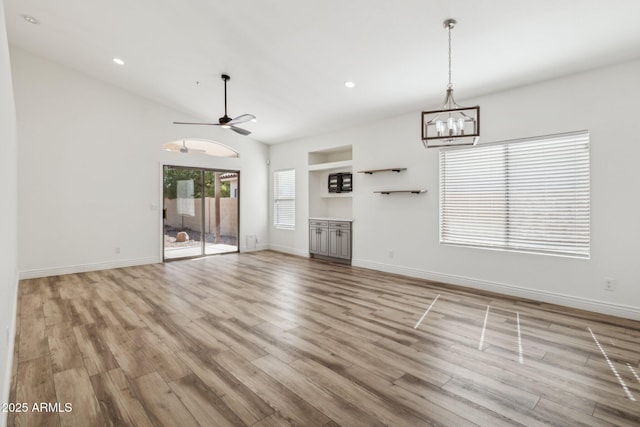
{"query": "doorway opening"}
[(201, 211)]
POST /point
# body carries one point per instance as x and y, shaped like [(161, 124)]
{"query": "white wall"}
[(90, 171), (8, 217), (603, 101)]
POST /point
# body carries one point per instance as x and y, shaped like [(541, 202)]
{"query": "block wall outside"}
[(228, 216)]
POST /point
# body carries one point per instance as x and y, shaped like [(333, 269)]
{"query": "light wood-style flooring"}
[(267, 339)]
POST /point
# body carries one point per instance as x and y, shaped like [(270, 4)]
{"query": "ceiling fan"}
[(226, 121), (183, 148)]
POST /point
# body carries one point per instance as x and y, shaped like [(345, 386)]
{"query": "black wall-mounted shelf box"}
[(340, 183)]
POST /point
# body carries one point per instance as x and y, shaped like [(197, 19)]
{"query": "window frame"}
[(516, 224), (279, 200)]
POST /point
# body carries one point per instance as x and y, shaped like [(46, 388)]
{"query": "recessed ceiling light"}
[(30, 19), (118, 61), (350, 84)]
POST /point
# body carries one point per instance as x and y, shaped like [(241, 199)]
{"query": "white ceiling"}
[(289, 59)]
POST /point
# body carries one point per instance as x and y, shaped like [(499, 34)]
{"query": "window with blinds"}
[(528, 195), (285, 199)]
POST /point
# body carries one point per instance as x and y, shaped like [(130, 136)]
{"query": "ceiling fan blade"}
[(241, 119), (187, 123), (240, 130)]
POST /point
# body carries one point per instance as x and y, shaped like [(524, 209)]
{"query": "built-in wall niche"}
[(330, 158), (319, 184), (322, 163)]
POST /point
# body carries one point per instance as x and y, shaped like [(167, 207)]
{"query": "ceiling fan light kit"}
[(450, 125), (225, 121)]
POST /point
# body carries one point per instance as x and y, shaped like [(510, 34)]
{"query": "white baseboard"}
[(289, 250), (83, 268), (6, 387), (618, 310)]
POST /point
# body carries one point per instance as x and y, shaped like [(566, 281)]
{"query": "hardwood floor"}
[(266, 339)]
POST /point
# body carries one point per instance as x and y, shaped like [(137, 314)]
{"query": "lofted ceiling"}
[(289, 59)]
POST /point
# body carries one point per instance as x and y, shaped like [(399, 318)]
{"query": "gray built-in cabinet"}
[(330, 238)]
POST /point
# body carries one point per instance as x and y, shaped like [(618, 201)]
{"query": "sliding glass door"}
[(200, 211)]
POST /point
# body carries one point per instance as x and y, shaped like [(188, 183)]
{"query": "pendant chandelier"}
[(451, 125)]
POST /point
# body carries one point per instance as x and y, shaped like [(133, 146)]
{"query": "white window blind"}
[(285, 199), (527, 195)]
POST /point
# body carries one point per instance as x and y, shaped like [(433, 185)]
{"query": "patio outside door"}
[(200, 211)]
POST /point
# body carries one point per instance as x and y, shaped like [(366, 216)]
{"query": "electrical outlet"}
[(117, 250), (392, 253), (609, 284)]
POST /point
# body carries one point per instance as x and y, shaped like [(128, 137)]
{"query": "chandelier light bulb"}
[(451, 125), (461, 125)]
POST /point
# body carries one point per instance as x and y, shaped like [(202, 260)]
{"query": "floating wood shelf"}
[(372, 171), (401, 191)]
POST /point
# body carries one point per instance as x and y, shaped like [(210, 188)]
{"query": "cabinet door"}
[(318, 240), (323, 243), (313, 240), (340, 243), (334, 242), (344, 244)]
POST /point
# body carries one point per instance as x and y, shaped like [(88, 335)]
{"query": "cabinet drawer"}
[(318, 223), (344, 225)]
